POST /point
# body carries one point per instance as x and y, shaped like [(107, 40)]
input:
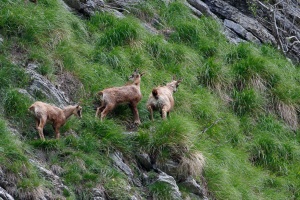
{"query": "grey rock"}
[(119, 162), (98, 193), (43, 85), (90, 6), (241, 31), (163, 177), (144, 160), (192, 186), (202, 7), (150, 29), (196, 12), (75, 4), (25, 92), (226, 11), (232, 36), (4, 195), (54, 179), (117, 157), (1, 39)]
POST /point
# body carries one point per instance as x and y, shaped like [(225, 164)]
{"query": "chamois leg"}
[(99, 110), (37, 124), (135, 112), (106, 110), (163, 113), (40, 128), (150, 109), (57, 133)]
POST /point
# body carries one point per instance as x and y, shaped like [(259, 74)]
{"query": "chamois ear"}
[(174, 78), (142, 74), (179, 81)]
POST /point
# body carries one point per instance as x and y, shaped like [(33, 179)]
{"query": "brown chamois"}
[(44, 113), (129, 93), (162, 99)]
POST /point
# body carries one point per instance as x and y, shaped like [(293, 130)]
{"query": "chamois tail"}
[(155, 93)]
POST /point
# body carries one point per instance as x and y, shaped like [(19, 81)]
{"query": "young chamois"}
[(44, 113), (129, 93), (162, 99)]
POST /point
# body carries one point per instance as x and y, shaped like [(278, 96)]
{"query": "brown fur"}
[(129, 93), (44, 113), (161, 98)]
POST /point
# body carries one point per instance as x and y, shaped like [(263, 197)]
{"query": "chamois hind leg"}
[(40, 128), (106, 110), (150, 109), (135, 112), (163, 112), (37, 124)]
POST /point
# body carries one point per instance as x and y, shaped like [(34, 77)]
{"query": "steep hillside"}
[(233, 134)]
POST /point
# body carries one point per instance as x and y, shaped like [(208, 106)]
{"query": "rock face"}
[(55, 180), (256, 22), (4, 195), (40, 84), (165, 178)]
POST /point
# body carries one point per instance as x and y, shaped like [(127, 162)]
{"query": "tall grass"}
[(237, 105)]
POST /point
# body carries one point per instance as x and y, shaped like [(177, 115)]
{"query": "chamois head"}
[(174, 84), (135, 76), (78, 111)]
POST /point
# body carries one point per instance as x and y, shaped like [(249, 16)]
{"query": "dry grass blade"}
[(192, 165), (288, 113)]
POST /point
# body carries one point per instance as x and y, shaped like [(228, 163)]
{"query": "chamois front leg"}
[(57, 133), (135, 112), (150, 109), (40, 128), (99, 110)]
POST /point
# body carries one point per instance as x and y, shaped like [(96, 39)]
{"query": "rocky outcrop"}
[(165, 178), (253, 21), (4, 195), (191, 185), (40, 84), (241, 31)]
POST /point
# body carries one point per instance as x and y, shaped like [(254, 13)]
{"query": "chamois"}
[(162, 99), (44, 113), (129, 93)]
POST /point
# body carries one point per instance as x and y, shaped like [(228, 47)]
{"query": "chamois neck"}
[(137, 82), (171, 88), (68, 111)]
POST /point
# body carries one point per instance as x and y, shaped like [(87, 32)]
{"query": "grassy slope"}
[(252, 93)]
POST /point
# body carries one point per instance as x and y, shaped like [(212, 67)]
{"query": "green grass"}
[(237, 104)]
